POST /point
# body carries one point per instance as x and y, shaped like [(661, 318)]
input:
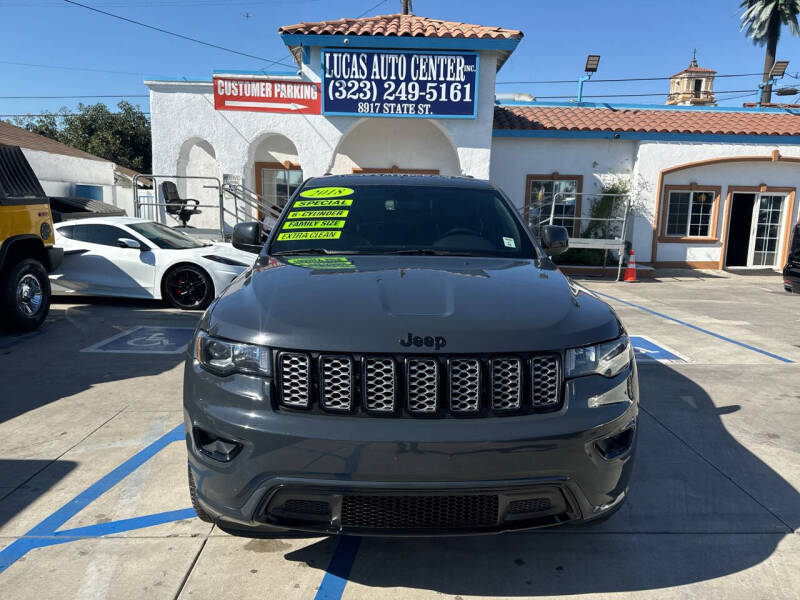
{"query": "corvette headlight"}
[(607, 359), (223, 357)]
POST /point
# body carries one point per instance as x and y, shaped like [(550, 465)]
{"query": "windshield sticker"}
[(317, 214), (315, 224), (326, 192), (321, 262), (316, 203), (309, 235), (509, 242)]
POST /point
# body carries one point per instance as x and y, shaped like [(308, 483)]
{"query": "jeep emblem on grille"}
[(419, 341)]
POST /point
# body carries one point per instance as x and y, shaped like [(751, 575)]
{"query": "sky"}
[(635, 38)]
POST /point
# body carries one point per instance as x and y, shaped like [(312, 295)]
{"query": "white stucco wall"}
[(655, 157), (60, 174), (513, 158)]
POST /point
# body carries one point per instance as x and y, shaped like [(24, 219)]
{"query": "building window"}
[(276, 183), (554, 194), (691, 213)]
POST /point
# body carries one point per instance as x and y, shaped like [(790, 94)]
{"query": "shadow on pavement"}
[(44, 366), (14, 500), (701, 506)]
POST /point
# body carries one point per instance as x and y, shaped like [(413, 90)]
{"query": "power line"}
[(632, 95), (57, 115), (619, 80), (178, 35), (369, 10), (75, 97)]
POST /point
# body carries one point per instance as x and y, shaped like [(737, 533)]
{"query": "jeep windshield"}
[(401, 219)]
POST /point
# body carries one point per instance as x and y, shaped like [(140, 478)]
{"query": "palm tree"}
[(762, 21)]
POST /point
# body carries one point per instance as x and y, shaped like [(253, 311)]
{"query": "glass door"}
[(766, 230)]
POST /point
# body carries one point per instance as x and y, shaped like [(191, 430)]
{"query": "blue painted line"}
[(48, 527), (700, 329), (335, 580), (124, 525)]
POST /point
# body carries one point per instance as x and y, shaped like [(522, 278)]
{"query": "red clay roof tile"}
[(574, 118), (401, 25)]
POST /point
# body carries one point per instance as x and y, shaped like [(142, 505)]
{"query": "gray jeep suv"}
[(403, 358)]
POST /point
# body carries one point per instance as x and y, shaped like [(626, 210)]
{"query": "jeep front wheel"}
[(25, 296)]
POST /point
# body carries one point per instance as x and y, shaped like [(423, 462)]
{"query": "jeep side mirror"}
[(555, 239), (247, 237), (129, 243)]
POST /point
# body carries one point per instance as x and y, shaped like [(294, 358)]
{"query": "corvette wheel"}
[(188, 287)]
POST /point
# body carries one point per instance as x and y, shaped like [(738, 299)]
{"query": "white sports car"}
[(137, 258)]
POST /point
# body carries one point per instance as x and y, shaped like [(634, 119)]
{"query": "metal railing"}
[(598, 222), (244, 200)]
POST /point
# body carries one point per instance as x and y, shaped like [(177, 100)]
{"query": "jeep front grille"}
[(465, 385), (380, 384), (337, 382), (545, 378), (506, 383), (422, 381), (295, 379), (404, 386)]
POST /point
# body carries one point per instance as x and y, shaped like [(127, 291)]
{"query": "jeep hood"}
[(369, 303)]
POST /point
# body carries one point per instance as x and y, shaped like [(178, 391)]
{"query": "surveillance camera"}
[(299, 72)]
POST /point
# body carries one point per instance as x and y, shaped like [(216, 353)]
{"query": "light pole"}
[(592, 61)]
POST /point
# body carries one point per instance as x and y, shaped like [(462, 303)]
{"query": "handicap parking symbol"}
[(146, 339), (647, 350)]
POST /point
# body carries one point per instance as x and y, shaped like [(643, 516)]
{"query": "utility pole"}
[(406, 6)]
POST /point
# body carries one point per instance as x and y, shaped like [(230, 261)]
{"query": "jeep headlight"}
[(607, 359), (224, 357)]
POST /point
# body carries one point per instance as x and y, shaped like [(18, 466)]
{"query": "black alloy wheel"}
[(188, 287)]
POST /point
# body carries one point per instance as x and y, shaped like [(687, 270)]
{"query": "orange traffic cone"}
[(630, 270)]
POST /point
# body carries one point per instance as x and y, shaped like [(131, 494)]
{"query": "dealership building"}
[(706, 187)]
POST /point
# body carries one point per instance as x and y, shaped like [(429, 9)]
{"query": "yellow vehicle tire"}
[(24, 295)]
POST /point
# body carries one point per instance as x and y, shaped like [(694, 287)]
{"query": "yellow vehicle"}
[(26, 244)]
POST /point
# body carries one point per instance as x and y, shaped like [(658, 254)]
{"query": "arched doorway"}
[(276, 169), (382, 145), (198, 159)]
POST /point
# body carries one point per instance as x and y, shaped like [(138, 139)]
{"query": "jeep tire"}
[(24, 295)]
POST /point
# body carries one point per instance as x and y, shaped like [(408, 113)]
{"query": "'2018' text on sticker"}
[(326, 192)]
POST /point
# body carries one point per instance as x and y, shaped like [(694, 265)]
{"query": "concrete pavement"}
[(93, 492)]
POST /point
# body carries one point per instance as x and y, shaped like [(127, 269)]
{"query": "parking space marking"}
[(146, 339), (46, 533), (648, 350), (335, 579), (696, 328)]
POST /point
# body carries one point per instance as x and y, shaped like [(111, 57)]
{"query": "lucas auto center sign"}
[(376, 83), (266, 95), (364, 83)]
